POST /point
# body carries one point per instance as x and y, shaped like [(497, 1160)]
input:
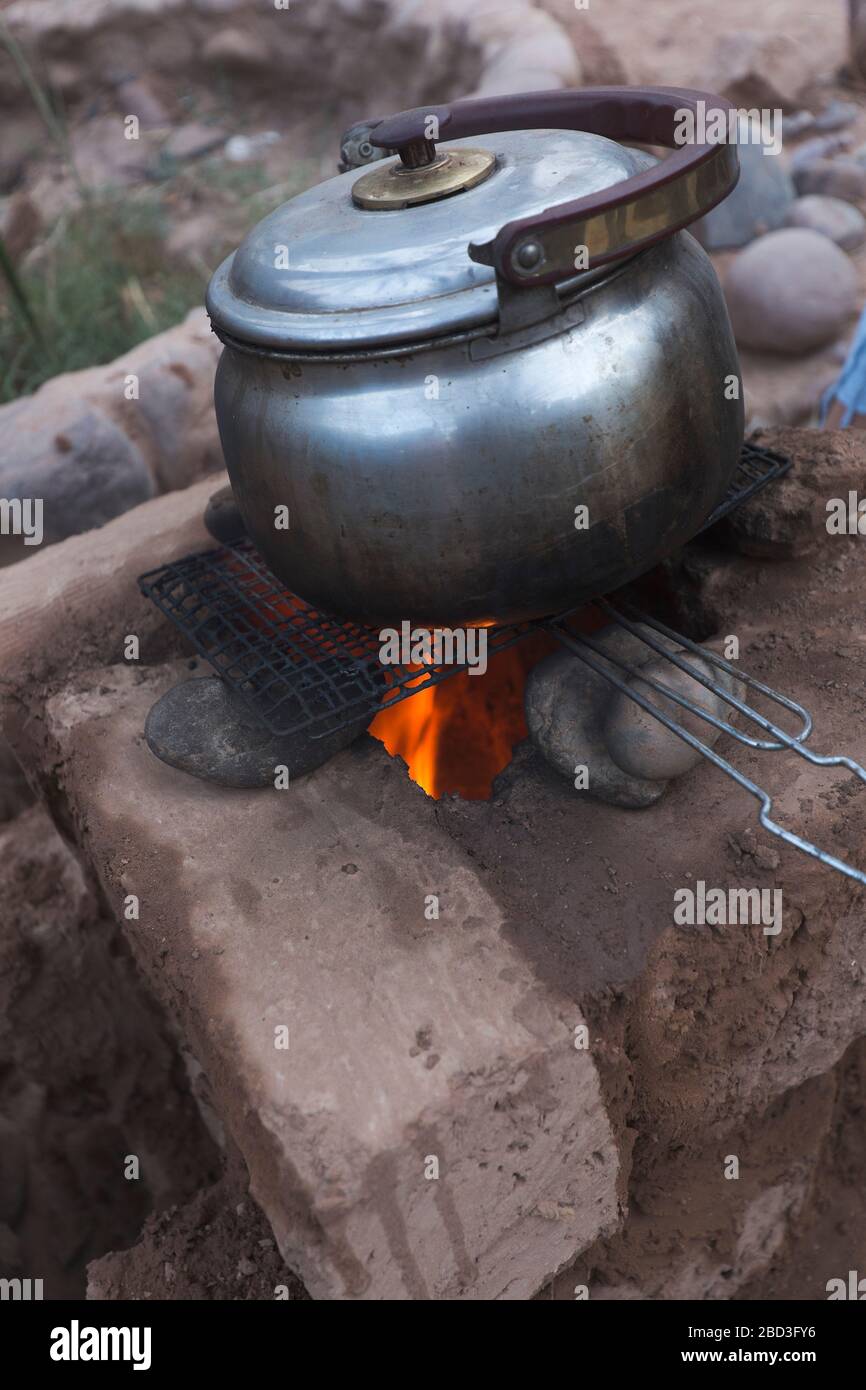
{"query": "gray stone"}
[(833, 218), (758, 204), (790, 291), (566, 703), (576, 718), (203, 728), (81, 465), (135, 98), (192, 141), (241, 149), (837, 115), (90, 448), (521, 48), (798, 123), (820, 147), (643, 747), (237, 48), (837, 178), (222, 517)]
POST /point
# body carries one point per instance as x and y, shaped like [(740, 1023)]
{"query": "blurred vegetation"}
[(101, 280), (101, 285)]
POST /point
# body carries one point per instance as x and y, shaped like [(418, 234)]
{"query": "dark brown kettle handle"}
[(615, 222)]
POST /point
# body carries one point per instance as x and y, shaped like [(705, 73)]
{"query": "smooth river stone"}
[(790, 291), (203, 728), (565, 704), (832, 217), (639, 744)]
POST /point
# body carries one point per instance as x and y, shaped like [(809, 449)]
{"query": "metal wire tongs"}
[(583, 647)]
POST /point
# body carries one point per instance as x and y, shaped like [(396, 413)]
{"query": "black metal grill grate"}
[(299, 669), (756, 468), (296, 667)]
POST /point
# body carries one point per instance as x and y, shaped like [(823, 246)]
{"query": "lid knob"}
[(422, 174), (418, 154)]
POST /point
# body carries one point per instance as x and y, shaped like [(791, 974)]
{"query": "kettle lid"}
[(325, 273)]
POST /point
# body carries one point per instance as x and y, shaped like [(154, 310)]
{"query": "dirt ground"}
[(218, 1246), (672, 43), (90, 1074)]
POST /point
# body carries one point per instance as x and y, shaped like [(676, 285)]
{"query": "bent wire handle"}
[(579, 647), (786, 740), (782, 739), (640, 674)]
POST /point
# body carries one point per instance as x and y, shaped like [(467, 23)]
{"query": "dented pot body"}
[(443, 483)]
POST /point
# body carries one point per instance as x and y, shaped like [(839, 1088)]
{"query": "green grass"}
[(103, 282), (100, 286)]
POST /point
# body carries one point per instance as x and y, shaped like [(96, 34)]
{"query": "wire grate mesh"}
[(756, 468), (300, 669), (296, 667)]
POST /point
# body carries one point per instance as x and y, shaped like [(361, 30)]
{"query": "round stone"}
[(642, 746), (222, 517), (791, 291), (841, 177), (565, 702), (757, 205), (202, 727), (832, 217)]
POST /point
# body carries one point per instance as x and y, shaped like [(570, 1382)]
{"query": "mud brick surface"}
[(454, 1038)]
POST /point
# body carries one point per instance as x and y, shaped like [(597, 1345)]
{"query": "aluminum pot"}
[(452, 392)]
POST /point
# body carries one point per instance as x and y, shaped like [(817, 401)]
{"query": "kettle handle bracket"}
[(522, 308), (587, 232)]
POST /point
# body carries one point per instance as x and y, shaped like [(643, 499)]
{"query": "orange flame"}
[(457, 736)]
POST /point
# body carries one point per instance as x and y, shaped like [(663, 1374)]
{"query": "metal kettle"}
[(481, 384)]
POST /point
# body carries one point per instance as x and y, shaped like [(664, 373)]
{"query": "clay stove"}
[(501, 984), (318, 681)]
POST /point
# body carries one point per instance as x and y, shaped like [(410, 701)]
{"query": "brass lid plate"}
[(391, 185)]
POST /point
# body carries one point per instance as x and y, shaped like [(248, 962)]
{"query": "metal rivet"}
[(529, 255)]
